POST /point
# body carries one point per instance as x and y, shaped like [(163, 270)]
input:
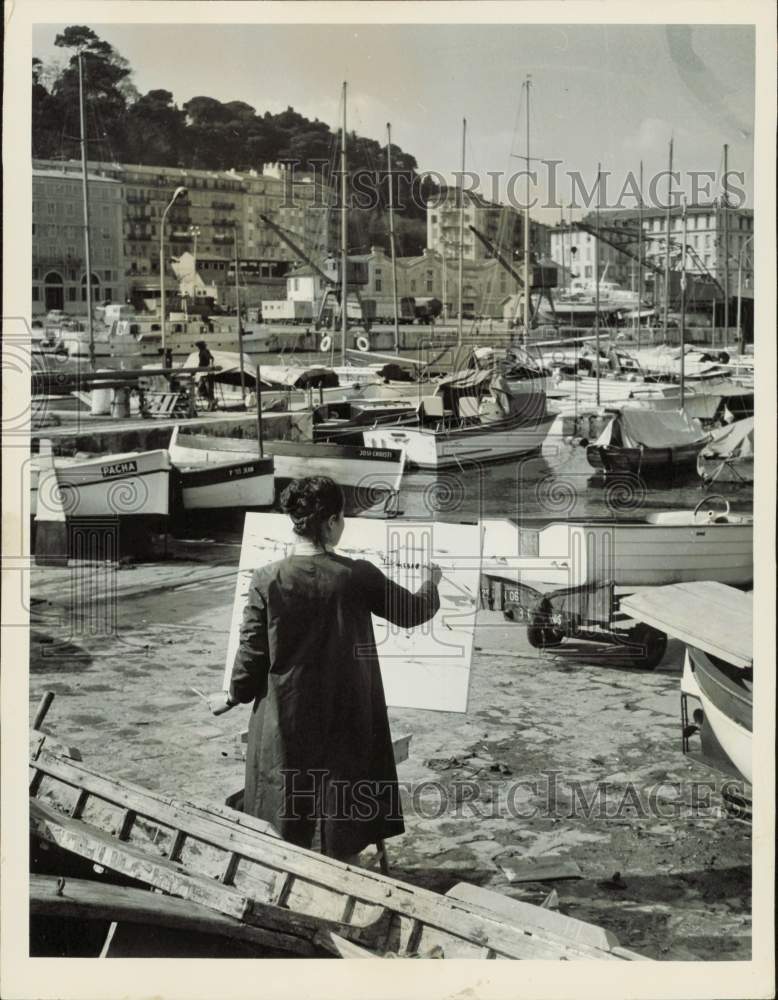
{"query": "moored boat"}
[(131, 484), (473, 417), (368, 476), (641, 441)]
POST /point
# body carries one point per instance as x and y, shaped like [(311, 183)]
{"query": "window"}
[(429, 284), (35, 293), (71, 295), (50, 208), (378, 283), (71, 208), (413, 286)]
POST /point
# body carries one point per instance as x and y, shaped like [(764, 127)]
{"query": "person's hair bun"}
[(310, 502)]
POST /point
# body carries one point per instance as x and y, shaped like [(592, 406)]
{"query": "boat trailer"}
[(586, 611)]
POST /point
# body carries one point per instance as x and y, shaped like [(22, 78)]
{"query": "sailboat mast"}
[(725, 207), (461, 234), (343, 238), (237, 320), (666, 303), (683, 301), (597, 285), (640, 251), (391, 237), (85, 188), (527, 279)]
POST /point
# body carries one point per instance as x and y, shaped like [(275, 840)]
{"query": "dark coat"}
[(319, 762)]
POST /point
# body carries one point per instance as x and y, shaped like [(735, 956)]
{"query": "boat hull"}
[(241, 484), (135, 484), (642, 554), (433, 450), (367, 475), (642, 461), (727, 706)]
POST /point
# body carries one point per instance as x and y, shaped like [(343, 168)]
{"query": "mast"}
[(725, 207), (343, 238), (391, 237), (665, 304), (597, 286), (461, 234), (237, 319), (85, 187), (527, 280), (683, 299), (640, 250)]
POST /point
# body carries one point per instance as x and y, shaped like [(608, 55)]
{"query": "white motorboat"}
[(715, 622), (664, 547), (473, 417)]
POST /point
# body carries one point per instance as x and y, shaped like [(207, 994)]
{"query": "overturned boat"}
[(715, 622)]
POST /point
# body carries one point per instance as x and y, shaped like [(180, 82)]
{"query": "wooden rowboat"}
[(295, 900)]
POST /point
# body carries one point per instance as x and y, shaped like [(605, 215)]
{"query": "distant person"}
[(320, 763), (205, 360)]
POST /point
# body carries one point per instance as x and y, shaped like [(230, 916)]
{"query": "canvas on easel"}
[(426, 667)]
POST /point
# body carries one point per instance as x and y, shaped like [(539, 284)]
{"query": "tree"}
[(156, 130), (105, 74)]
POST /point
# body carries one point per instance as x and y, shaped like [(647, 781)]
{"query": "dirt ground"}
[(567, 756)]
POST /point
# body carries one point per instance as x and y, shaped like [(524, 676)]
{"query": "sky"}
[(609, 94)]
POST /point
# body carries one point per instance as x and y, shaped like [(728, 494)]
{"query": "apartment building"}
[(573, 250), (502, 225), (58, 254)]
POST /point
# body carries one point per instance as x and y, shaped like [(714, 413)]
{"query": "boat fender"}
[(363, 344), (326, 343)]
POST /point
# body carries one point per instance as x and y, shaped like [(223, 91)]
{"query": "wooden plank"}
[(411, 902), (540, 918), (84, 899)]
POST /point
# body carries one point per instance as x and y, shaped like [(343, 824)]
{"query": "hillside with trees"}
[(125, 126)]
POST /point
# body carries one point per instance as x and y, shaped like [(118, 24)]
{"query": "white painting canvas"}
[(426, 667)]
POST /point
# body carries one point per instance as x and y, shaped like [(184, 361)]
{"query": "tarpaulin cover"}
[(652, 429), (734, 441)]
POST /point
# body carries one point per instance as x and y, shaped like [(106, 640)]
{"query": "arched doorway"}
[(95, 288), (53, 291)]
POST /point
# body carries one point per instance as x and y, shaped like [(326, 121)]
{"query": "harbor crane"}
[(330, 282)]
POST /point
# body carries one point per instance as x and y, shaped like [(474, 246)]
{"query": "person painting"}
[(205, 360), (319, 762)]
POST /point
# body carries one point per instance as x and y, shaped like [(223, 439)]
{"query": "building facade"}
[(716, 246), (486, 285), (58, 255), (219, 210), (502, 225)]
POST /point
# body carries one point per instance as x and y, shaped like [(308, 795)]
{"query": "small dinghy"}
[(647, 442)]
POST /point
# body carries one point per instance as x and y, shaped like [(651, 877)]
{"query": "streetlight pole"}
[(176, 194), (740, 293)]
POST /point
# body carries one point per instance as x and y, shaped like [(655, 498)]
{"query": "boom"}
[(283, 235)]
